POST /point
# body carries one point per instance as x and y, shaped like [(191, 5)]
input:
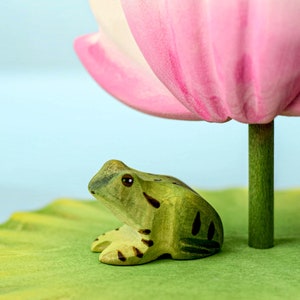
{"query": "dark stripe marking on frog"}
[(121, 257), (199, 247), (155, 203), (211, 231), (148, 243), (196, 224), (145, 231), (138, 253)]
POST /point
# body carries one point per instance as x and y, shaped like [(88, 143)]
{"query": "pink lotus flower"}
[(198, 60), (205, 60)]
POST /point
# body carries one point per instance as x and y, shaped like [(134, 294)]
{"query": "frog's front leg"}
[(105, 239), (130, 248)]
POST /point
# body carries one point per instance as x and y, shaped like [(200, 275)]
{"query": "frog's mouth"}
[(97, 184), (105, 198)]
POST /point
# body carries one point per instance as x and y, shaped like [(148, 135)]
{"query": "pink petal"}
[(115, 61), (234, 59), (127, 80)]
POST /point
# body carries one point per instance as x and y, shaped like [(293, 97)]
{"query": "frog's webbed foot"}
[(105, 239), (100, 243), (122, 254), (125, 246), (133, 253)]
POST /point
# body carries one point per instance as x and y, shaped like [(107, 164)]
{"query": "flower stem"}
[(261, 185)]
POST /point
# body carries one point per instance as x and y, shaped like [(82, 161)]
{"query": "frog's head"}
[(120, 188)]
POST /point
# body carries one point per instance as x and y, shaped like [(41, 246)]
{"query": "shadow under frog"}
[(161, 215)]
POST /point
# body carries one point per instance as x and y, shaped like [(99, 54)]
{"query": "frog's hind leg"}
[(190, 248)]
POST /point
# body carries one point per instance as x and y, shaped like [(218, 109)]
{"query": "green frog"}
[(161, 216)]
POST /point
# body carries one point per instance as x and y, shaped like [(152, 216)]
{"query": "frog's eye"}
[(127, 180)]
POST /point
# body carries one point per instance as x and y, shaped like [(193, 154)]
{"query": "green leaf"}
[(46, 255)]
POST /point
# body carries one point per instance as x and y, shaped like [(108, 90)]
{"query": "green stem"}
[(261, 185)]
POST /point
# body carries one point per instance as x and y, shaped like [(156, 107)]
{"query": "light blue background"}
[(57, 127)]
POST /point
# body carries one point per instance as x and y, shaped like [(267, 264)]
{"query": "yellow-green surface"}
[(45, 255)]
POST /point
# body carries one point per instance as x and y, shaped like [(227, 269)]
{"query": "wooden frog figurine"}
[(162, 215)]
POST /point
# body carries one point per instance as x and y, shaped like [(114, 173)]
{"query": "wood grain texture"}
[(261, 185)]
